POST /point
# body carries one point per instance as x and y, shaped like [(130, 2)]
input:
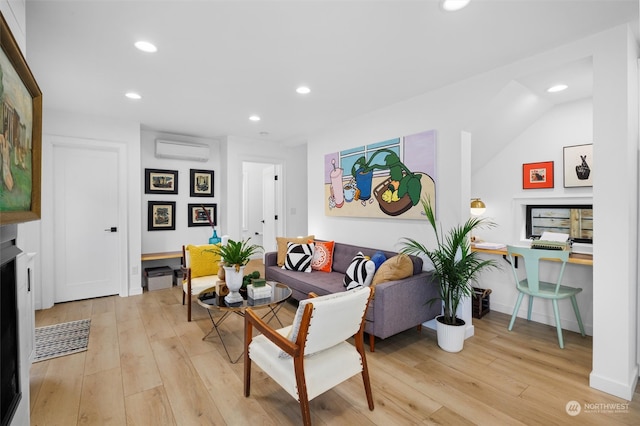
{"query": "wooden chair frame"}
[(296, 351)]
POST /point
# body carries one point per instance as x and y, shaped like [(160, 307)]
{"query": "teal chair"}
[(533, 287)]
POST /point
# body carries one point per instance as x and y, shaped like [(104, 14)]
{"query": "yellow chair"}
[(533, 287), (312, 356), (200, 271)]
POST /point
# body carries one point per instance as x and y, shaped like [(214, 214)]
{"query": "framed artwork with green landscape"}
[(20, 134)]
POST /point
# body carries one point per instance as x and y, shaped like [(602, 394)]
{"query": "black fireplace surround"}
[(10, 390)]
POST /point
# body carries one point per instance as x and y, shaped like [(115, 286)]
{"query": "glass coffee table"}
[(209, 300)]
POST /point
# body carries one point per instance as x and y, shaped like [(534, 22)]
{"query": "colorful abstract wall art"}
[(385, 179)]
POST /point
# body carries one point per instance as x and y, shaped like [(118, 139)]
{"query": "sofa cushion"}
[(282, 245), (360, 272), (298, 257), (322, 256), (396, 268), (378, 259), (202, 260)]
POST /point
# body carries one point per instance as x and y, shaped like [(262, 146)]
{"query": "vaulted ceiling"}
[(218, 62)]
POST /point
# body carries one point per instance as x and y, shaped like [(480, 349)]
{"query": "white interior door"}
[(88, 199)]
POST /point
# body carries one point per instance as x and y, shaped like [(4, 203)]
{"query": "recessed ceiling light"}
[(557, 88), (145, 46), (254, 118), (303, 90), (133, 95), (453, 5)]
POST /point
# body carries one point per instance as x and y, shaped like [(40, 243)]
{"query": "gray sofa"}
[(397, 305)]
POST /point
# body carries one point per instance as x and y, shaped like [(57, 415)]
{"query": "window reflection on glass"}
[(575, 220)]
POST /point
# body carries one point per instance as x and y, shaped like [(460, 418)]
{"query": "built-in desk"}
[(161, 256), (577, 258)]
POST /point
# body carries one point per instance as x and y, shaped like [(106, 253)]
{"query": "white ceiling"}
[(221, 61)]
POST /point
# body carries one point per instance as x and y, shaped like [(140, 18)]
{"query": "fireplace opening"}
[(10, 390)]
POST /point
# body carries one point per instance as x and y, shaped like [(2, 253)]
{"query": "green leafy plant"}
[(455, 265), (409, 182), (237, 253)]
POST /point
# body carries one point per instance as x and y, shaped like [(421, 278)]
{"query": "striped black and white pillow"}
[(360, 272), (299, 257)]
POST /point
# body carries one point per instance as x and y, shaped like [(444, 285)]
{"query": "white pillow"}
[(360, 272), (299, 257)]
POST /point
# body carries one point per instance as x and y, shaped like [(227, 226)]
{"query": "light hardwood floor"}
[(146, 365)]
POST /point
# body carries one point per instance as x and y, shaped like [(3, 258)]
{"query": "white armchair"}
[(312, 355)]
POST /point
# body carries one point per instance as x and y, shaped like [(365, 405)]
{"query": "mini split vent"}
[(182, 150)]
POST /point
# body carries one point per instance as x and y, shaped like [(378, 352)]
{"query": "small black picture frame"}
[(161, 216), (201, 183), (158, 181), (198, 217)]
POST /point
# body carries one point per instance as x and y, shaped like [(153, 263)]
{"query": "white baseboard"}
[(621, 390)]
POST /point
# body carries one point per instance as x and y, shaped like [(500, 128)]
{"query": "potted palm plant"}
[(455, 268), (234, 257)]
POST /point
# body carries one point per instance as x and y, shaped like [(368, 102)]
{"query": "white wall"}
[(454, 109), (615, 194), (564, 125), (162, 241)]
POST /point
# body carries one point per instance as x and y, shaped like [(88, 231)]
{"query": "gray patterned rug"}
[(62, 339)]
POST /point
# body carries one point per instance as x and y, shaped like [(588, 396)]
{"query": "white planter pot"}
[(450, 337), (234, 282)]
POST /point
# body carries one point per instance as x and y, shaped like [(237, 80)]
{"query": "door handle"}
[(112, 229)]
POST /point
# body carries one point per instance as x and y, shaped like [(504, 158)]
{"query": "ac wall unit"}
[(182, 150)]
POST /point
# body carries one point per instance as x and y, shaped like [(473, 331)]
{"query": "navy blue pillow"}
[(378, 259)]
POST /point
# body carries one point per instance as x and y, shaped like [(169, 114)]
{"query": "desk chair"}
[(533, 287), (200, 271), (312, 356)]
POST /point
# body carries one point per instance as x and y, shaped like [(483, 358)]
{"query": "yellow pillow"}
[(202, 260), (395, 268), (282, 245)]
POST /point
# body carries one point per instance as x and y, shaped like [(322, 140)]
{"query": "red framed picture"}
[(537, 175)]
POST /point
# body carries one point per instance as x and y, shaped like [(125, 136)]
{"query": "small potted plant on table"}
[(234, 257)]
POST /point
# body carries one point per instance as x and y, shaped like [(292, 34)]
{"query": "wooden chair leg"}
[(189, 296), (419, 328), (367, 384), (248, 330), (372, 341), (302, 391), (189, 308)]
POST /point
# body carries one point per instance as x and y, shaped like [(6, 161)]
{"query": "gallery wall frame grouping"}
[(162, 214), (577, 169)]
